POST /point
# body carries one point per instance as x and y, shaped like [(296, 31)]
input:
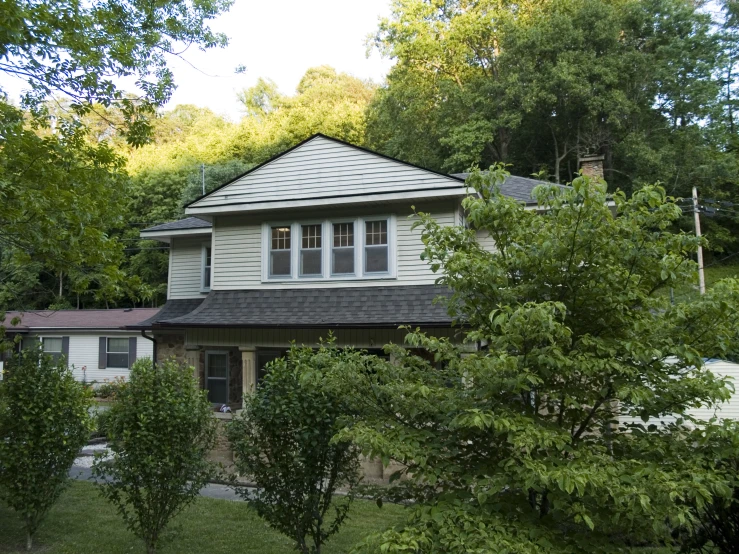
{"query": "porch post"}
[(248, 369), (192, 358)]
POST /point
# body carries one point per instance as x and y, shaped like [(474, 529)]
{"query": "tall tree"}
[(535, 442)]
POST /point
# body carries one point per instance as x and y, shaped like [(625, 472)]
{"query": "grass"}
[(83, 523)]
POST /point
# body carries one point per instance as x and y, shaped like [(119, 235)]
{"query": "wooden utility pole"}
[(696, 215)]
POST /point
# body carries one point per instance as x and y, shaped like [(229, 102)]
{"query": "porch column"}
[(248, 369), (192, 358)]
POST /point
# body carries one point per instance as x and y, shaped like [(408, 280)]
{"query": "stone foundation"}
[(170, 346)]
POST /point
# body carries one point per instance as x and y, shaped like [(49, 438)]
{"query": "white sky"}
[(275, 39), (280, 39)]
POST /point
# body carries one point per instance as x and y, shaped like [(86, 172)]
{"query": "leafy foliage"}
[(78, 49), (283, 441), (535, 442), (160, 430), (44, 421)]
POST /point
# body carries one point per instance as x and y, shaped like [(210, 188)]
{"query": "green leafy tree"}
[(283, 441), (44, 421), (160, 430), (516, 446)]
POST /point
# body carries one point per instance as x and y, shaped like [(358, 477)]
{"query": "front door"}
[(216, 376)]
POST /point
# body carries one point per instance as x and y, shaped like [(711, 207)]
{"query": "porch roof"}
[(355, 307), (171, 310)]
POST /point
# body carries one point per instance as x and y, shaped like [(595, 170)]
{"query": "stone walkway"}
[(211, 490)]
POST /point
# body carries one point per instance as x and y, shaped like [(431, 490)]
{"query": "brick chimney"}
[(592, 166)]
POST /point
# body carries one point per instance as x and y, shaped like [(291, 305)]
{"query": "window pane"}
[(280, 238), (218, 391), (376, 259), (217, 365), (117, 360), (310, 262), (206, 277), (343, 234), (207, 257), (118, 345), (311, 236), (376, 232), (343, 260), (280, 263), (52, 345)]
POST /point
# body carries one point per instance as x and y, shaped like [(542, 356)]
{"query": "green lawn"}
[(82, 522), (713, 274)]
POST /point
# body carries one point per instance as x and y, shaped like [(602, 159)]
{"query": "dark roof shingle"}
[(518, 188), (381, 306), (172, 309), (181, 225), (78, 319)]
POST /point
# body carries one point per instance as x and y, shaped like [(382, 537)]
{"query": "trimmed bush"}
[(160, 431), (283, 441), (44, 421)]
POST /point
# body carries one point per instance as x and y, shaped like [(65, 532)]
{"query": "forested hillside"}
[(649, 84)]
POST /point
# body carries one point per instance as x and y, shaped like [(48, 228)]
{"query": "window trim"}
[(365, 246), (203, 258), (107, 352), (228, 373), (327, 247)]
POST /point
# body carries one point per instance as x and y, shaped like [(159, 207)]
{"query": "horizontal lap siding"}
[(282, 338), (322, 168), (237, 248), (486, 241), (83, 352), (185, 267)]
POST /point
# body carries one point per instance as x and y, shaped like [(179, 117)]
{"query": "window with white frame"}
[(342, 251), (334, 249), (117, 353), (376, 247), (207, 263), (311, 253), (52, 347), (280, 252)]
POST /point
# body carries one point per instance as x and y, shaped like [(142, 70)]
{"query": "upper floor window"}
[(333, 249), (375, 247), (310, 251), (280, 252), (207, 263)]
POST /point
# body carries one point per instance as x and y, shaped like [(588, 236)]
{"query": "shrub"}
[(283, 440), (109, 389), (44, 421), (160, 431)]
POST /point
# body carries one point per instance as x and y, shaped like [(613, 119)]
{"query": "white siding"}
[(83, 352), (237, 250), (323, 168), (727, 410), (486, 241), (185, 266), (282, 338)]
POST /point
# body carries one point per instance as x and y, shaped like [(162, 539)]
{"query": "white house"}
[(93, 341)]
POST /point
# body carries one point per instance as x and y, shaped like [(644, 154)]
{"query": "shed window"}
[(342, 253), (117, 353), (375, 247), (52, 346), (310, 250), (279, 254)]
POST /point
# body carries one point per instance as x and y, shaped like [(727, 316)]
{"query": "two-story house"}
[(317, 239)]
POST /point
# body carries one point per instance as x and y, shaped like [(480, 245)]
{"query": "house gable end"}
[(323, 168)]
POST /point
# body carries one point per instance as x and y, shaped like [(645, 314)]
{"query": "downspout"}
[(154, 348)]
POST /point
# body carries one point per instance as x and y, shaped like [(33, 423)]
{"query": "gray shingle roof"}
[(172, 309), (181, 225), (518, 188), (383, 306)]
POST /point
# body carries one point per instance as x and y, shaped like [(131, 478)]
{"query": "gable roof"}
[(181, 225), (77, 319), (323, 168), (518, 188)]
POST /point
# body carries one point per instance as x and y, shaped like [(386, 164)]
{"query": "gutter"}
[(154, 348)]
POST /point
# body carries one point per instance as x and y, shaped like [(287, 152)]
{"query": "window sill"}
[(385, 277)]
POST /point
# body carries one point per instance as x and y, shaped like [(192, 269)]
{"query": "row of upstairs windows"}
[(360, 248)]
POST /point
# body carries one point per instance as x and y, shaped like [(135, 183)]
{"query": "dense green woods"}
[(649, 84)]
